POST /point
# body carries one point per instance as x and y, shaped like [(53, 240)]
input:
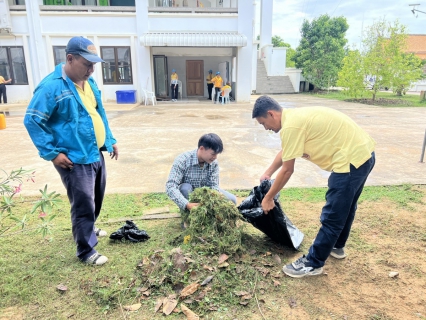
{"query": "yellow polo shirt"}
[(89, 101), (209, 78), (174, 77), (326, 137), (2, 80), (224, 88), (217, 80)]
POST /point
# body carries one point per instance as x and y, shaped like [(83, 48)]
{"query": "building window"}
[(59, 55), (12, 64), (16, 2), (117, 67)]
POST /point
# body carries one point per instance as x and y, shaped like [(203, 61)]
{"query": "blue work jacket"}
[(58, 122)]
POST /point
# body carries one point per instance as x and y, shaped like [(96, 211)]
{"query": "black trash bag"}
[(130, 232), (276, 225)]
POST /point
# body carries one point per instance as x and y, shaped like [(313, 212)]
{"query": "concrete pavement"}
[(150, 137)]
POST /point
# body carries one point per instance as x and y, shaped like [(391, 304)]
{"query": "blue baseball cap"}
[(218, 72), (210, 71), (173, 70), (83, 47)]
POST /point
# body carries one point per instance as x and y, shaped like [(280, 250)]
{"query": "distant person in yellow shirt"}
[(218, 83), (3, 88), (174, 86), (225, 87), (335, 143), (209, 84)]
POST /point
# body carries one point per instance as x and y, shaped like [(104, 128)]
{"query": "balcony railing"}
[(88, 8), (222, 6)]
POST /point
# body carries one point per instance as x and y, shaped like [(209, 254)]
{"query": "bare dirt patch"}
[(381, 102)]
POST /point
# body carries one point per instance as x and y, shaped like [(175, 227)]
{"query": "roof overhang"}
[(193, 39)]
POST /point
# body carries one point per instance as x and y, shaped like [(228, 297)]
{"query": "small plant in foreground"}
[(11, 186)]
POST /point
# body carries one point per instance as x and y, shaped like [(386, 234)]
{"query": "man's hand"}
[(267, 205), (265, 176), (114, 153), (62, 161), (191, 205)]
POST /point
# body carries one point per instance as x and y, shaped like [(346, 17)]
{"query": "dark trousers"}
[(85, 185), (175, 91), (3, 93), (216, 94), (338, 213), (209, 90)]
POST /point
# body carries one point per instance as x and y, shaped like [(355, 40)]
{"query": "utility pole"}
[(414, 10)]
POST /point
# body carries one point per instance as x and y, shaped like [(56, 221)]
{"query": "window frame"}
[(9, 59), (116, 64), (54, 55)]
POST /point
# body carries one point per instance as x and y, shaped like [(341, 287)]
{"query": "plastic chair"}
[(149, 95), (180, 89), (225, 97)]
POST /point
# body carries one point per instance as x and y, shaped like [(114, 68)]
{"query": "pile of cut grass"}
[(213, 225)]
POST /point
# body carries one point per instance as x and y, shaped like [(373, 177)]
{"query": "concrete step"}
[(269, 85)]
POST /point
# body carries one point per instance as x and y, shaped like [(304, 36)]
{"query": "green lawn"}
[(408, 100), (32, 267)]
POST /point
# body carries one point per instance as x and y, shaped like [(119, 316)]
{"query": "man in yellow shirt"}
[(218, 83), (3, 88), (68, 125), (209, 84), (335, 143)]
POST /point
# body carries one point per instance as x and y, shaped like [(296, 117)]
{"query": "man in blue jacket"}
[(67, 123)]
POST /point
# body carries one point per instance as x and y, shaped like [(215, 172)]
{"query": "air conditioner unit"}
[(5, 21)]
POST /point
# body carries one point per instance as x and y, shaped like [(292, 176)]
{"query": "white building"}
[(141, 42)]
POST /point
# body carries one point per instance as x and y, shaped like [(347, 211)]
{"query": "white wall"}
[(277, 62), (193, 22), (244, 55), (294, 75), (88, 23)]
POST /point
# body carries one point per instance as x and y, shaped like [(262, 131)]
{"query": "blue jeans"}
[(85, 185), (338, 213), (186, 189)]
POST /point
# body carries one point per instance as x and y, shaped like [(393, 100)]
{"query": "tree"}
[(407, 69), (384, 48), (351, 76), (321, 50), (277, 41)]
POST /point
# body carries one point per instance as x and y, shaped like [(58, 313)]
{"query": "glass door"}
[(161, 77)]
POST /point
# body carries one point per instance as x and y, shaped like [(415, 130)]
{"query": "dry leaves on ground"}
[(133, 307), (190, 289), (190, 315)]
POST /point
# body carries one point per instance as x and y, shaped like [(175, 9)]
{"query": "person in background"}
[(227, 86), (218, 83), (174, 86), (68, 125), (335, 143), (3, 88), (195, 169), (209, 84)]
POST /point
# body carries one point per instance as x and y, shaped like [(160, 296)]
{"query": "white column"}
[(37, 47), (245, 54), (143, 68), (266, 8)]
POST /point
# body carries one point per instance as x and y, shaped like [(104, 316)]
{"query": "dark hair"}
[(263, 104), (211, 141)]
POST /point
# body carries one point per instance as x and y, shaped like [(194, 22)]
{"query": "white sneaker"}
[(96, 259), (100, 233)]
